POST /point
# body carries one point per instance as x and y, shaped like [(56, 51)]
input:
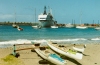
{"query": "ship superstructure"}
[(46, 19)]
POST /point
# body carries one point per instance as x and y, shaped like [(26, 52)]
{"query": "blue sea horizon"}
[(10, 35)]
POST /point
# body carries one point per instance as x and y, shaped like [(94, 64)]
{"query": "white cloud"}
[(7, 16), (11, 17)]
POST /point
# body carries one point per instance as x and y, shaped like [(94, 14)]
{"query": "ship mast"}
[(35, 15), (45, 10), (81, 18), (15, 15)]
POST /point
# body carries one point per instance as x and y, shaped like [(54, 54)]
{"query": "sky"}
[(63, 11)]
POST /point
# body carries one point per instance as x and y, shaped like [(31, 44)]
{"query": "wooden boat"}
[(64, 51), (51, 57)]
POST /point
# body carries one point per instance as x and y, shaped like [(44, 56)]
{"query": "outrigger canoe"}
[(51, 57), (69, 53)]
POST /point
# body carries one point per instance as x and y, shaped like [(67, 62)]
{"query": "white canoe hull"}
[(71, 55), (51, 59), (78, 49)]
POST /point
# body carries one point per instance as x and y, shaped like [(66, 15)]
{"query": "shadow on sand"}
[(71, 60), (85, 54)]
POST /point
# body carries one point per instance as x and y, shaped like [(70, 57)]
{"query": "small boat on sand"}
[(79, 49), (50, 56), (64, 51)]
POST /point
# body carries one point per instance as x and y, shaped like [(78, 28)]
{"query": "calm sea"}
[(10, 35)]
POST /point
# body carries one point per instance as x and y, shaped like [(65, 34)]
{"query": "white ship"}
[(46, 19)]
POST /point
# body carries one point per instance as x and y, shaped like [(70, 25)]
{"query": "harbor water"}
[(10, 35)]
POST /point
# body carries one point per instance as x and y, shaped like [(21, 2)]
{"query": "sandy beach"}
[(91, 56)]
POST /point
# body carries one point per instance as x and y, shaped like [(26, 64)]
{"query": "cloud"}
[(11, 17), (24, 18), (7, 16)]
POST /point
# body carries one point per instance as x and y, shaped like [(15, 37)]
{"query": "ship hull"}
[(46, 23)]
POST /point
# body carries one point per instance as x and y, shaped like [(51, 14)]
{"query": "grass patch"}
[(10, 60)]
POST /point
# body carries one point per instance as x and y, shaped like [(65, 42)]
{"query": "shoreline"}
[(33, 23), (91, 56)]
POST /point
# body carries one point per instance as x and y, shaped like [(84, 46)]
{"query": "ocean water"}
[(10, 35)]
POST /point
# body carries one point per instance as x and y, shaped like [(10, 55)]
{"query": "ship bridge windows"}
[(42, 18)]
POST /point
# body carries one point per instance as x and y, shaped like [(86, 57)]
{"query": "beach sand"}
[(91, 56)]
